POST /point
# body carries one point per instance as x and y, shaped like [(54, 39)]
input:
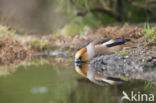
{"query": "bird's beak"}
[(78, 62), (81, 67)]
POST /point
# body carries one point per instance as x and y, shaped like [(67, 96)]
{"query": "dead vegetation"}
[(13, 51), (134, 33), (126, 31)]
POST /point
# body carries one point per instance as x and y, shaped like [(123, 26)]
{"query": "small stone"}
[(126, 56), (126, 48)]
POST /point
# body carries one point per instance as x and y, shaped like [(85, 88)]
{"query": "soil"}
[(125, 31)]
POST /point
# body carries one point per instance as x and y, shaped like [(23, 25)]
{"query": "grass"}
[(148, 85), (150, 31), (150, 34)]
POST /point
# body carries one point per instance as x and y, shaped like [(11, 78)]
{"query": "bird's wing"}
[(109, 80), (118, 41), (81, 46), (104, 80), (101, 40)]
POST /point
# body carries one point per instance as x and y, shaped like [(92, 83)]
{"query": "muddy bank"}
[(131, 63), (113, 31), (138, 62), (13, 51)]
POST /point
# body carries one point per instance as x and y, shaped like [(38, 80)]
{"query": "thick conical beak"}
[(78, 62)]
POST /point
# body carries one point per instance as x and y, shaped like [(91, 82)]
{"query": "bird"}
[(85, 54)]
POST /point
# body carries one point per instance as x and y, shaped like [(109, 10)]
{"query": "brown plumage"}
[(104, 50)]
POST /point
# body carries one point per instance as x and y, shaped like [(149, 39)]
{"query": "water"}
[(59, 83)]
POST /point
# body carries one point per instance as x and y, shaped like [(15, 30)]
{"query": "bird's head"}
[(82, 57), (85, 54)]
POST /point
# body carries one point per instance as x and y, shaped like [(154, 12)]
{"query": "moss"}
[(124, 78), (6, 30), (70, 49), (150, 42), (146, 44), (123, 53), (38, 61), (150, 52), (38, 44)]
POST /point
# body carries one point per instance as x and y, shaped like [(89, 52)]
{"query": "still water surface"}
[(46, 83)]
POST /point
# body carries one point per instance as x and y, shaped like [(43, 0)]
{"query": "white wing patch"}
[(108, 42), (106, 80)]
